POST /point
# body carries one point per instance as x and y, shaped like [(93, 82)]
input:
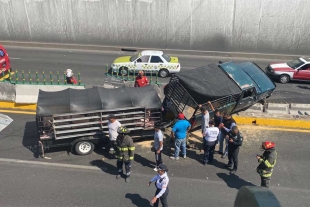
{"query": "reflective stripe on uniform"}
[(123, 148), (266, 175), (267, 163), (130, 158), (131, 148)]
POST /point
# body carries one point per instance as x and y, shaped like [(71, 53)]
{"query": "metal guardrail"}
[(132, 77), (30, 79)]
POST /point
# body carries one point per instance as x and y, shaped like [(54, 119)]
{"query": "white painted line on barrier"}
[(16, 161)]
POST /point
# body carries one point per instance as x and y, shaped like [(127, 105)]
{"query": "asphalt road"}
[(91, 65), (191, 184)]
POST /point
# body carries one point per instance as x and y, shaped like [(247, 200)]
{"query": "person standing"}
[(205, 118), (218, 119), (70, 79), (226, 126), (124, 152), (141, 80), (266, 163), (161, 182), (179, 133), (235, 140), (113, 125), (158, 145), (210, 137)]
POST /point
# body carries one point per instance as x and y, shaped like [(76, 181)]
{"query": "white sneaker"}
[(174, 158), (155, 169), (184, 156), (111, 149)]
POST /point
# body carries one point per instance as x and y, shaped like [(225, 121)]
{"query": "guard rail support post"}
[(122, 73), (23, 76), (134, 74), (16, 76), (3, 73), (117, 74), (29, 77), (65, 80), (58, 78), (10, 75), (79, 78), (43, 78), (37, 77), (51, 78), (157, 78), (128, 74), (151, 77), (106, 68)]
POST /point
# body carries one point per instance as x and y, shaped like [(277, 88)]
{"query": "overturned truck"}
[(230, 87), (78, 118)]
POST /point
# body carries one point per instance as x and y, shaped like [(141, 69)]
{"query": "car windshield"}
[(166, 57), (134, 57), (295, 63)]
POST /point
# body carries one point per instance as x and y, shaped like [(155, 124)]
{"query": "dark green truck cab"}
[(230, 87)]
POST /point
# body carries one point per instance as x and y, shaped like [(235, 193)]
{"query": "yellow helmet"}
[(122, 130)]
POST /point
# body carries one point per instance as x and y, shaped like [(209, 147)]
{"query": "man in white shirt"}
[(113, 125), (210, 137), (205, 118), (158, 145)]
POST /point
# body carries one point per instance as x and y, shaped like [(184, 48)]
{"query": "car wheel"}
[(163, 73), (123, 71), (284, 78), (84, 148)]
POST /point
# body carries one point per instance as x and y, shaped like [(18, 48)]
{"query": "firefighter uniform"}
[(266, 163), (124, 152)]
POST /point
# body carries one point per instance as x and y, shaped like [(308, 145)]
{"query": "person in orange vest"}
[(70, 78), (141, 80)]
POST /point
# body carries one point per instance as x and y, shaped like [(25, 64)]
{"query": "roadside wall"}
[(260, 26)]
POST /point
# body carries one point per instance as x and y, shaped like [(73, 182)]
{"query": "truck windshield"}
[(259, 77), (295, 63), (166, 57)]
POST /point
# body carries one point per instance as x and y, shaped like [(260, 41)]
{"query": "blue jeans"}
[(180, 143), (221, 141)]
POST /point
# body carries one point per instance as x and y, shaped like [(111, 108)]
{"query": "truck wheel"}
[(163, 73), (84, 148), (123, 71), (284, 79)]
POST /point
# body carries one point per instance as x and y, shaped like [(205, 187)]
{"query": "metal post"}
[(128, 75), (3, 73), (29, 77), (51, 78), (134, 74), (58, 77), (107, 69), (16, 76), (43, 78), (117, 74), (65, 80), (79, 78), (122, 73), (156, 78), (23, 76), (37, 77), (151, 77), (10, 75)]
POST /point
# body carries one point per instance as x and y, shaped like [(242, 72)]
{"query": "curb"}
[(288, 123), (135, 49), (15, 106)]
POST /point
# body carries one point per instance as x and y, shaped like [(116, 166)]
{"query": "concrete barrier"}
[(7, 92), (28, 94)]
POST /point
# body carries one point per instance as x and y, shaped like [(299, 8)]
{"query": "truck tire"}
[(284, 79), (163, 73), (84, 147)]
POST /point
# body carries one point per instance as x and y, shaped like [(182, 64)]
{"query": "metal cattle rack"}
[(93, 123)]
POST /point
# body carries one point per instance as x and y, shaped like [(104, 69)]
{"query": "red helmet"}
[(268, 145)]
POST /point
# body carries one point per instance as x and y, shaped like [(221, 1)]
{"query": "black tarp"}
[(97, 98), (207, 83)]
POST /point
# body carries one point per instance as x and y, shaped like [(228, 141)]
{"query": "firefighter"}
[(70, 77), (141, 80), (124, 152), (266, 162)]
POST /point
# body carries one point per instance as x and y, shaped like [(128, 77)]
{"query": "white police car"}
[(149, 61)]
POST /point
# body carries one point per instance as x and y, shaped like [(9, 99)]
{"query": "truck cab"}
[(5, 64)]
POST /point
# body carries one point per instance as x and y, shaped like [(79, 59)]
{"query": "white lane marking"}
[(14, 58)]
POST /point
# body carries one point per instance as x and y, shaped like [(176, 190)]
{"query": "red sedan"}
[(298, 69)]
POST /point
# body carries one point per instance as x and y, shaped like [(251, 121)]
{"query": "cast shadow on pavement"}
[(30, 138), (234, 181), (137, 200), (143, 161), (104, 166)]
